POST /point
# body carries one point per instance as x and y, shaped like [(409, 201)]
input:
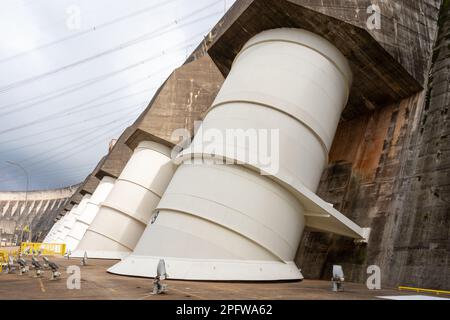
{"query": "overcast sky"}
[(75, 73)]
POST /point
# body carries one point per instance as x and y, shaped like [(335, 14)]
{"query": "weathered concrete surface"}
[(76, 199), (408, 28), (406, 24), (390, 170), (91, 182), (378, 78), (183, 99), (37, 213), (97, 284), (117, 158)]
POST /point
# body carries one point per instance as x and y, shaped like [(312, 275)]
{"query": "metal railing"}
[(43, 248), (418, 290)]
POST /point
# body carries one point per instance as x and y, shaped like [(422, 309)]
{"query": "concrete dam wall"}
[(30, 214)]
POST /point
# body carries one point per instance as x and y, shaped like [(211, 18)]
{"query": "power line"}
[(77, 132), (54, 129), (34, 156), (93, 29), (93, 142), (74, 87), (91, 165), (68, 111), (79, 85), (127, 44), (47, 118), (86, 83), (65, 144), (32, 105), (84, 147), (72, 124)]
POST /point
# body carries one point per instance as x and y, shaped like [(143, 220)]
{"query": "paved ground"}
[(97, 284)]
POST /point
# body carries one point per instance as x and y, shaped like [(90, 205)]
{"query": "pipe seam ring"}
[(139, 185), (347, 81), (319, 138), (109, 238), (202, 217), (123, 212)]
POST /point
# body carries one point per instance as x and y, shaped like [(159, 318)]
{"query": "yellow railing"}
[(44, 248), (4, 258), (418, 290)]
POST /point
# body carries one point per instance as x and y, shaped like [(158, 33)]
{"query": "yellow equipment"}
[(418, 290), (43, 248)]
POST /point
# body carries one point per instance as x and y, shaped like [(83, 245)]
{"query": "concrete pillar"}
[(88, 215), (125, 213), (231, 222)]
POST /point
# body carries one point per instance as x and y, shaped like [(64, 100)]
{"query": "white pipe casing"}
[(70, 224), (126, 211), (88, 214), (286, 79), (50, 236), (230, 222), (55, 231), (64, 226)]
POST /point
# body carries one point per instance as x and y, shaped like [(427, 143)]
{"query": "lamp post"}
[(27, 186)]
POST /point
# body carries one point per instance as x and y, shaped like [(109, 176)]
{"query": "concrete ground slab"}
[(97, 284)]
